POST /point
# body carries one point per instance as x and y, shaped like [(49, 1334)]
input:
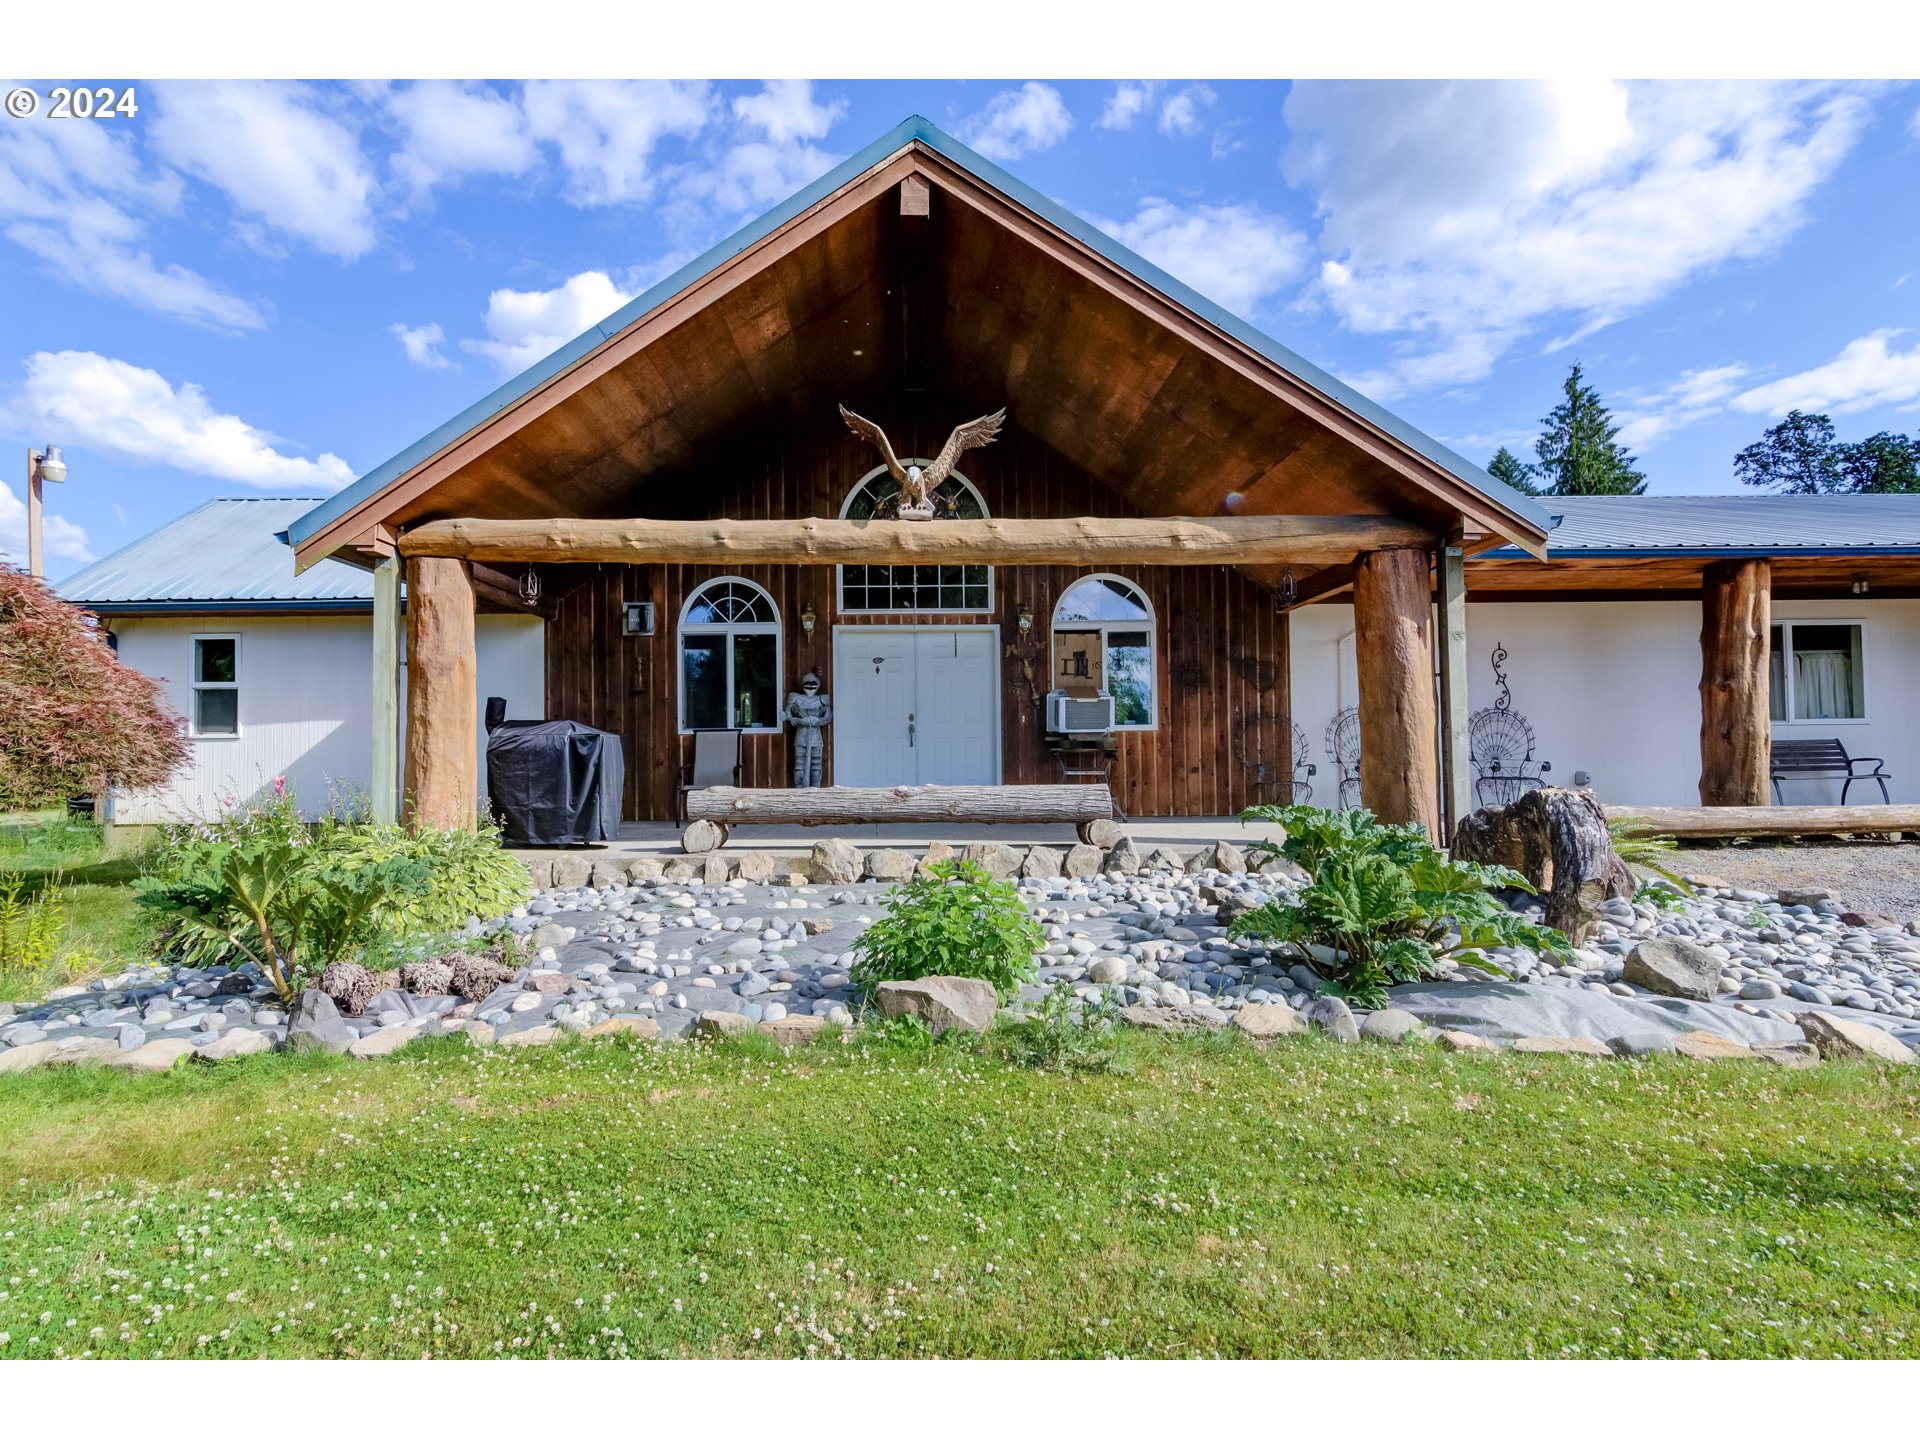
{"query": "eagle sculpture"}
[(917, 485)]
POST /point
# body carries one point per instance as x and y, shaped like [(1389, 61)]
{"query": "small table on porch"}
[(1087, 757)]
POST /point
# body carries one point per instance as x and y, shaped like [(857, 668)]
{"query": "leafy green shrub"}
[(1065, 1034), (1385, 901), (30, 928), (469, 874), (954, 920)]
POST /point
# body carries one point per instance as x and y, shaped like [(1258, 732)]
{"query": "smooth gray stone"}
[(408, 1009), (1500, 1010), (315, 1024)]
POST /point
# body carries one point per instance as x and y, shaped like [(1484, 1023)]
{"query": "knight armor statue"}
[(809, 712)]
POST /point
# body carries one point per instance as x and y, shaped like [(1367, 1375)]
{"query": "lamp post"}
[(48, 466)]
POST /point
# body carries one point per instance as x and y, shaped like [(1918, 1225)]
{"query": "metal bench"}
[(1825, 760)]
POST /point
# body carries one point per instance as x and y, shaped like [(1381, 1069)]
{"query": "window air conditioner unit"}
[(1079, 714)]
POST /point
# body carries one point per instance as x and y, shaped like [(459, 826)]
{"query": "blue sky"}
[(270, 288)]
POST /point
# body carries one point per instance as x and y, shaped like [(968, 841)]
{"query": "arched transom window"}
[(1103, 641), (729, 658), (867, 589)]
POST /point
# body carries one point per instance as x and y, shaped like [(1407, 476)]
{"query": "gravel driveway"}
[(1861, 875)]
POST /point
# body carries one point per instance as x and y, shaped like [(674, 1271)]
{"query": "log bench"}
[(711, 812)]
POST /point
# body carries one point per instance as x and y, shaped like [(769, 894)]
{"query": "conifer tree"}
[(1509, 469), (1579, 450)]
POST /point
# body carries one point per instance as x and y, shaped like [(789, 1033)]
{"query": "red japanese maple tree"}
[(73, 719)]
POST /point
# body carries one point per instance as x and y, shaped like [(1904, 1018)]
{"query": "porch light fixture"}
[(1287, 591), (807, 620), (40, 466), (52, 467), (530, 586), (1859, 587), (1025, 621)]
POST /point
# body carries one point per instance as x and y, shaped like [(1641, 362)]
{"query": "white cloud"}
[(1181, 113), (63, 539), (77, 196), (1868, 372), (281, 158), (449, 131), (1126, 103), (785, 111), (528, 325), (1648, 417), (1018, 122), (1237, 255), (95, 403), (1461, 217), (422, 344), (606, 130)]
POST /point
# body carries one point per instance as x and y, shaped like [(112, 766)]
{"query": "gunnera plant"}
[(955, 919)]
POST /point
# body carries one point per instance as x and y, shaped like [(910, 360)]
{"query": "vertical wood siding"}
[(1215, 629)]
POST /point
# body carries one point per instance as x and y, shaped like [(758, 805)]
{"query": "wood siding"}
[(1216, 643)]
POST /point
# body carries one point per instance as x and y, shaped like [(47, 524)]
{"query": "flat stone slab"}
[(1502, 1010)]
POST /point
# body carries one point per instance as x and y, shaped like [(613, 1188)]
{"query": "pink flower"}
[(279, 784)]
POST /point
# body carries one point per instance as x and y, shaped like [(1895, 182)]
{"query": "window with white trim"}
[(1817, 671), (216, 685), (1103, 640), (729, 658), (882, 589)]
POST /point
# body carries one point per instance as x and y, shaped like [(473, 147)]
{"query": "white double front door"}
[(915, 706)]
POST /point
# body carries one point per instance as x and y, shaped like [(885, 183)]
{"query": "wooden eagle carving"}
[(917, 485)]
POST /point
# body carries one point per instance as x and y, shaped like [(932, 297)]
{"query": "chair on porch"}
[(1343, 748), (1500, 746), (716, 761), (1257, 747)]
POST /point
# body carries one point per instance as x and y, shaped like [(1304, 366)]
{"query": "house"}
[(269, 668), (1235, 564)]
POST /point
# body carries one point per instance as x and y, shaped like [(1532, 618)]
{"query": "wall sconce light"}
[(807, 620), (1287, 591), (1026, 619)]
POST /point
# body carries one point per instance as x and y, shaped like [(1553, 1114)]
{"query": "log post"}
[(385, 778), (1282, 701), (1393, 642), (1456, 773), (443, 782), (1735, 732)]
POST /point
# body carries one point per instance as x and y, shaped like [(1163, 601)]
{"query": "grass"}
[(105, 929), (895, 1196)]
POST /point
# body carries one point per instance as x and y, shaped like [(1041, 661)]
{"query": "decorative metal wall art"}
[(916, 484), (1500, 746)]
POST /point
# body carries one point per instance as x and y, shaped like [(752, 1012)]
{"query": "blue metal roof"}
[(225, 553), (1666, 525), (914, 128)]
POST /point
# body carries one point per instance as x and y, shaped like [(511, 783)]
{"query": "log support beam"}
[(1456, 774), (443, 782), (1735, 732), (1393, 641), (386, 689)]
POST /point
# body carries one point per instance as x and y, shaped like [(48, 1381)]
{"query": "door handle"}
[(910, 728)]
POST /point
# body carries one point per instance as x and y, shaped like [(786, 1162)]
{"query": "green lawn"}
[(105, 930), (888, 1198)]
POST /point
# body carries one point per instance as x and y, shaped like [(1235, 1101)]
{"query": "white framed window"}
[(891, 589), (1817, 671), (216, 687), (1103, 639), (729, 658)]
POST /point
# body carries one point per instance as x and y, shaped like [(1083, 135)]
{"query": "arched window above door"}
[(729, 658), (1103, 640), (886, 589)]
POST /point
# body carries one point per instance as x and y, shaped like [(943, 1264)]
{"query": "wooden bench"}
[(713, 810), (1825, 760)]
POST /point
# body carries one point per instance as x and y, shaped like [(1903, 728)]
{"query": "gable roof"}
[(1729, 525), (1523, 512), (224, 553)]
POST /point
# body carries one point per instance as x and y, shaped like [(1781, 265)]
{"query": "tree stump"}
[(702, 836), (1104, 833), (1557, 838)]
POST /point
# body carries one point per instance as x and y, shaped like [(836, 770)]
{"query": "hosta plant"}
[(955, 919), (1387, 904)]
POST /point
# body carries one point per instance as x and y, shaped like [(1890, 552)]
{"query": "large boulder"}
[(756, 867), (607, 871), (1264, 1022), (940, 1002), (570, 872), (383, 1042), (999, 860), (835, 862), (647, 867), (1042, 863), (1392, 1026), (1172, 1020), (1082, 862), (234, 1044), (1229, 859), (154, 1055), (1839, 1039), (315, 1024), (937, 851), (1671, 965), (1123, 858), (1563, 1045), (1164, 861), (1330, 1013), (718, 1024)]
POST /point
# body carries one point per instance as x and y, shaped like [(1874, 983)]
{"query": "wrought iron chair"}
[(1257, 741), (1343, 748), (1500, 745)]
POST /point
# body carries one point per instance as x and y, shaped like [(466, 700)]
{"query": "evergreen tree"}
[(1578, 449), (1509, 469)]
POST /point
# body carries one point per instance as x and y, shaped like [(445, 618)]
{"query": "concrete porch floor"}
[(661, 837)]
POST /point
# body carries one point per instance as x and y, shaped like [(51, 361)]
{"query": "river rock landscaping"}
[(655, 948)]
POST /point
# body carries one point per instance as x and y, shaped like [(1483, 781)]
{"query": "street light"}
[(40, 467)]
